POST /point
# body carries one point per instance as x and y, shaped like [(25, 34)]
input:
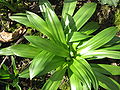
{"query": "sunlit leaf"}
[(25, 74), (53, 64), (39, 24), (98, 40), (14, 66), (55, 26), (102, 54), (4, 74), (21, 18), (115, 40), (68, 8), (75, 82), (78, 36), (48, 45), (38, 63), (84, 14), (84, 72), (7, 87), (6, 51), (43, 4)]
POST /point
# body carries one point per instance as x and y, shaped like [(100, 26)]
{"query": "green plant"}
[(6, 74), (68, 48)]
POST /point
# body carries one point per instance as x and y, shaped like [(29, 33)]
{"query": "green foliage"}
[(7, 4), (109, 2), (6, 74), (13, 5), (67, 48), (117, 18)]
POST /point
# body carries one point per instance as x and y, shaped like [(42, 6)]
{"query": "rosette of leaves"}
[(68, 48)]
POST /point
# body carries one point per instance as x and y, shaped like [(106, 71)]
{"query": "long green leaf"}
[(78, 36), (75, 82), (22, 18), (6, 51), (39, 24), (84, 73), (53, 22), (53, 64), (48, 45), (98, 40), (106, 69), (89, 71), (68, 8), (48, 66), (25, 50), (102, 54), (107, 82), (39, 62), (55, 26), (115, 47), (14, 66), (7, 87), (84, 14), (4, 74), (21, 50), (54, 81), (89, 28), (43, 4), (81, 74), (114, 41)]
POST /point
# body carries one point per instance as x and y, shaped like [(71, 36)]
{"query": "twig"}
[(20, 40), (6, 57)]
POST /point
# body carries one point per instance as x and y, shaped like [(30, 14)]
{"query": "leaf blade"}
[(98, 40), (107, 82), (48, 45), (102, 54), (68, 8), (83, 14), (39, 61), (55, 26), (89, 28), (84, 73), (75, 82), (54, 82), (106, 69), (21, 50)]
